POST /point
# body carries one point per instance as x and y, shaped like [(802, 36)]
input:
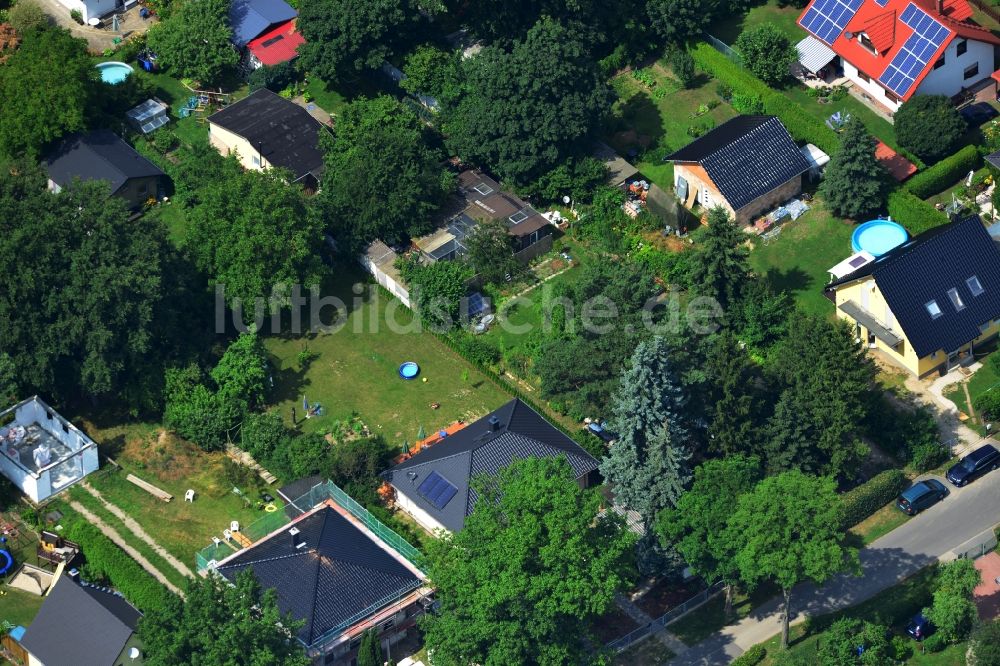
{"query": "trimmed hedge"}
[(107, 560), (800, 124), (751, 657), (871, 496), (945, 173), (914, 213)]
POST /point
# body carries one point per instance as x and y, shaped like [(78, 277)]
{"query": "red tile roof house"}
[(264, 32), (894, 49)]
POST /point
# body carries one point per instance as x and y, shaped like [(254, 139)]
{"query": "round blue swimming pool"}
[(409, 370), (114, 72), (878, 237)]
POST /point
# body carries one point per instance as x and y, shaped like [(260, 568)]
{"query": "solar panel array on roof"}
[(827, 18), (920, 47), (881, 3), (437, 490), (476, 304)]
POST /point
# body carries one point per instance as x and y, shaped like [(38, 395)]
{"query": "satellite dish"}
[(133, 653), (566, 199)]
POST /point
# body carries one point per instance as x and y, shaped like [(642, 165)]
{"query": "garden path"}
[(137, 530), (113, 534)]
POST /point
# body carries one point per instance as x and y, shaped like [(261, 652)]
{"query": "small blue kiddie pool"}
[(409, 370), (878, 237)]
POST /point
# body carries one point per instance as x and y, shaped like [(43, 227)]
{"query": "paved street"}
[(932, 535)]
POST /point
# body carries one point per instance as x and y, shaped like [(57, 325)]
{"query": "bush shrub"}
[(935, 642), (914, 213), (27, 15), (273, 77), (109, 562), (682, 65), (928, 455), (767, 52), (929, 126), (740, 81), (751, 657), (988, 405), (945, 173), (477, 351), (750, 104), (871, 496)]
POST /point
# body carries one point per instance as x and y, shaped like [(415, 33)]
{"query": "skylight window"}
[(933, 309), (955, 299), (483, 189), (519, 216), (974, 285)]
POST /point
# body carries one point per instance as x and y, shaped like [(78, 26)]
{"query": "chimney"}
[(940, 7), (494, 424), (297, 541)]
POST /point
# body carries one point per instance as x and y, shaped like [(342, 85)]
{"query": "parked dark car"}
[(920, 496), (982, 460), (920, 627)]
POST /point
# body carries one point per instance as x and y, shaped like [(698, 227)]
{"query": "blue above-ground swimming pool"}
[(409, 370), (878, 237), (114, 72)]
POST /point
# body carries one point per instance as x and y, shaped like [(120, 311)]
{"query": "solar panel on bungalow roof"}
[(827, 18), (437, 490), (477, 304), (917, 51)]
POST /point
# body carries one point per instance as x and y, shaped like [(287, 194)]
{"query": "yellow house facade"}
[(927, 305)]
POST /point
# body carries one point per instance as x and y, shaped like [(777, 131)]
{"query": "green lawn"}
[(173, 465), (879, 524), (798, 259), (356, 371), (878, 126), (655, 127), (983, 380), (781, 16), (18, 607)]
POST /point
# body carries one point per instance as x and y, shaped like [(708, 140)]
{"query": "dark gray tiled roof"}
[(99, 155), (79, 624), (479, 450), (338, 573), (284, 133), (924, 269), (746, 157)]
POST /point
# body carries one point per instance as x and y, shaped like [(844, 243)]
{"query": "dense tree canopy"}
[(787, 530), (984, 644), (251, 234), (437, 290), (389, 181), (526, 110), (839, 645), (85, 300), (693, 526), (195, 40), (854, 184), (678, 21), (531, 566), (491, 251), (432, 71), (256, 635), (346, 37), (953, 612), (767, 53), (817, 418), (721, 268), (929, 126), (48, 84)]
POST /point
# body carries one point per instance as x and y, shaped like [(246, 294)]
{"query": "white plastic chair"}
[(234, 526), (227, 535), (215, 540), (189, 495)]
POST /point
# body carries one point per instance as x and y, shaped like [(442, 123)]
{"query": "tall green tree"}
[(693, 527), (647, 466), (733, 417), (788, 531), (195, 40), (49, 84), (854, 184), (347, 37), (839, 645), (828, 379), (389, 182), (525, 110), (432, 71), (491, 251), (243, 370), (370, 651), (258, 635), (252, 235), (99, 332), (678, 21), (953, 612), (721, 267), (767, 53), (437, 291), (532, 565), (984, 644)]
